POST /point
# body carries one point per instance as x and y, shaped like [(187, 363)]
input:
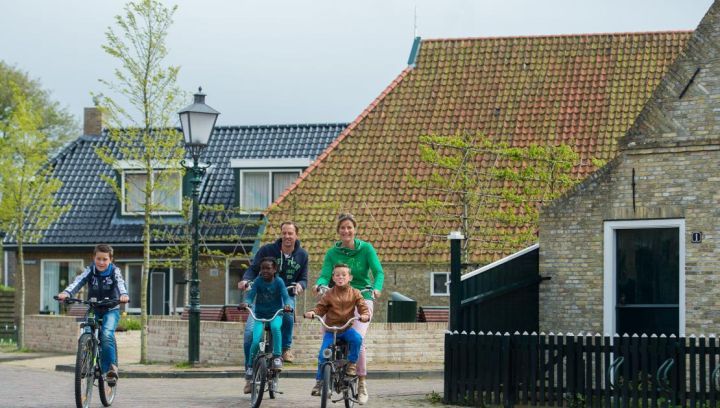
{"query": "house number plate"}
[(696, 237)]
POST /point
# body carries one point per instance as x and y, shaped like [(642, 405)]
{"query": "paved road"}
[(31, 387)]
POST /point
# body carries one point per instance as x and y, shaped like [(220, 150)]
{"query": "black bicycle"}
[(87, 361), (333, 371)]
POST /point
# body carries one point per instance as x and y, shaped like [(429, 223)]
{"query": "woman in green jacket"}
[(366, 270)]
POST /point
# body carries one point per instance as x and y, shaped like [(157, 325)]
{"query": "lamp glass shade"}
[(197, 127)]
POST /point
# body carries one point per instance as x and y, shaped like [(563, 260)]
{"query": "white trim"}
[(123, 189), (609, 260), (447, 284), (270, 163), (500, 262), (269, 172), (139, 165), (6, 262), (42, 274), (227, 280)]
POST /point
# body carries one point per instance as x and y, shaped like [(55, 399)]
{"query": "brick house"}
[(634, 248), (582, 90), (251, 166)]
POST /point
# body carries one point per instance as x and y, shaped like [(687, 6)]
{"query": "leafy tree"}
[(143, 134), (53, 120), (28, 191), (496, 207)]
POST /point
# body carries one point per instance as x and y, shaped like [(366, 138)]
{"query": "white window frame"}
[(610, 273), (447, 284), (126, 273), (270, 172), (136, 167), (42, 274)]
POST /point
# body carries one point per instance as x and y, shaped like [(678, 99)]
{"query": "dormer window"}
[(166, 196), (261, 181)]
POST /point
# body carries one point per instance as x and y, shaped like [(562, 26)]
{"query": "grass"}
[(183, 364), (434, 397), (4, 288), (129, 323)]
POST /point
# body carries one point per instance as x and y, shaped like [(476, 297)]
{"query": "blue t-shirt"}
[(268, 296)]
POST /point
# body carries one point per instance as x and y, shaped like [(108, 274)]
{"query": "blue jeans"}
[(351, 336), (108, 349), (288, 324)]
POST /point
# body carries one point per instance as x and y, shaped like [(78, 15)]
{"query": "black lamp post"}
[(197, 121)]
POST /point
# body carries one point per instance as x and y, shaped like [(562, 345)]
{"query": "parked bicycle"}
[(264, 374), (87, 360), (333, 371)]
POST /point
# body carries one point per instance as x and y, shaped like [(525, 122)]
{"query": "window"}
[(56, 276), (167, 195), (133, 277), (258, 189), (439, 282)]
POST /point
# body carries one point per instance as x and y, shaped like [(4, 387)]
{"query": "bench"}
[(232, 314), (433, 314), (207, 313)]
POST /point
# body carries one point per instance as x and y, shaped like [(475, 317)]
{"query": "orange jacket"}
[(339, 303)]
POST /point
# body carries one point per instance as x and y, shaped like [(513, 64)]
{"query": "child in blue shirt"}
[(269, 294)]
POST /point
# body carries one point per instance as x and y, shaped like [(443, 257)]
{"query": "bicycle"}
[(332, 371), (87, 361), (263, 372)]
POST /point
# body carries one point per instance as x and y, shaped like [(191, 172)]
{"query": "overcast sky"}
[(297, 61)]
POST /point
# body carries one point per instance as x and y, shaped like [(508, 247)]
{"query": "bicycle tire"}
[(272, 385), (327, 383), (107, 393), (258, 382), (84, 370), (350, 392)]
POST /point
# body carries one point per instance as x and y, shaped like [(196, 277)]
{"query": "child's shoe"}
[(277, 363), (351, 369), (112, 375), (317, 388)]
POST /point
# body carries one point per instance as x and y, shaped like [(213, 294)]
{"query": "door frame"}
[(610, 265)]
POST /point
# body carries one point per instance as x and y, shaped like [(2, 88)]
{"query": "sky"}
[(296, 61)]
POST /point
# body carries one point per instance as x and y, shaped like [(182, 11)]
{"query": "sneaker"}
[(248, 373), (277, 363), (288, 356), (317, 389), (351, 369), (112, 375), (248, 387), (362, 391)]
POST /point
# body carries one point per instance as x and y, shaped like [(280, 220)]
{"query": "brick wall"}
[(221, 342), (51, 333)]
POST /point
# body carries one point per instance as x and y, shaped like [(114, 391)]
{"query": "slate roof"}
[(583, 90), (93, 217)]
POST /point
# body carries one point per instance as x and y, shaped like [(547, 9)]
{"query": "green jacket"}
[(361, 261)]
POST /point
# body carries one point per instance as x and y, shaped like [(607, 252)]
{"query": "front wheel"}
[(327, 384), (84, 370), (107, 393), (258, 382)]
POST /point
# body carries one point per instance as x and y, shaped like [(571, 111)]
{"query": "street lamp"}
[(197, 121)]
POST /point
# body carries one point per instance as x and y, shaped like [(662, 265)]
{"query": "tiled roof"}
[(93, 217), (583, 90)]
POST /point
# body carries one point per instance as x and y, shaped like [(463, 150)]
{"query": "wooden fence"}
[(581, 370)]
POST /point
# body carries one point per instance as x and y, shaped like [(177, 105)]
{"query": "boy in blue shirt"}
[(104, 280), (269, 294)]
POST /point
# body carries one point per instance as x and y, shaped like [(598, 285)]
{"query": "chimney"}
[(92, 121)]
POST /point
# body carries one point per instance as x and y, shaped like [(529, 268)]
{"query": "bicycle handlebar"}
[(336, 328), (289, 287), (324, 288), (257, 319), (90, 302)]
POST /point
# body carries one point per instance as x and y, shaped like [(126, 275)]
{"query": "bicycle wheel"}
[(327, 384), (84, 370), (107, 393), (272, 385), (258, 385), (350, 392)]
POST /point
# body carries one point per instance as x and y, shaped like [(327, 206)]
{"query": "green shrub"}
[(4, 288), (128, 323)]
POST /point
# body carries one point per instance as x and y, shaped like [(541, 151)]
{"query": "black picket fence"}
[(583, 370)]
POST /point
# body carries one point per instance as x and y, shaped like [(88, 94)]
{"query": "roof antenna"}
[(412, 60), (415, 22)]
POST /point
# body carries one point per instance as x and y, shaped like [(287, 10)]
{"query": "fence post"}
[(455, 238)]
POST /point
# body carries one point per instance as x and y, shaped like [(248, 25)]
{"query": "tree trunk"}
[(145, 273), (21, 293)]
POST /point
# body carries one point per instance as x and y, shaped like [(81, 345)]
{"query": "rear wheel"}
[(258, 382), (327, 384), (350, 392), (107, 393), (84, 371)]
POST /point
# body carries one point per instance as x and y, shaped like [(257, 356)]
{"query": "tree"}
[(496, 207), (28, 190), (143, 134), (53, 120)]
